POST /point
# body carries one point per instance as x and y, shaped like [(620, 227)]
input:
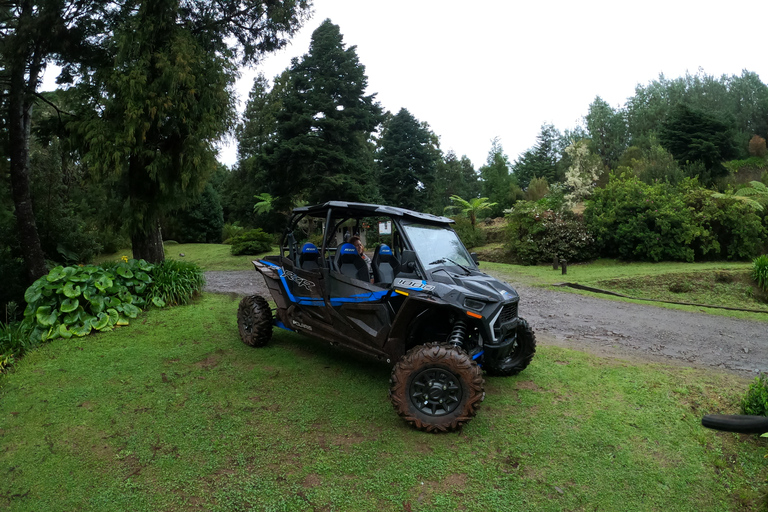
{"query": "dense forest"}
[(123, 154)]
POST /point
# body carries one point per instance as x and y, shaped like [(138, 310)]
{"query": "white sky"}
[(477, 70), (488, 68)]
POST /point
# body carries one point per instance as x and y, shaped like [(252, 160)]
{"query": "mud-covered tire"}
[(736, 423), (430, 373), (521, 356), (254, 321)]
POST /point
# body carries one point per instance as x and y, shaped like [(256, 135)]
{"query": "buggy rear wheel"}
[(254, 321), (436, 387)]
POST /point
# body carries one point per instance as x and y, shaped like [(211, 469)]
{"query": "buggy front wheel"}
[(436, 387)]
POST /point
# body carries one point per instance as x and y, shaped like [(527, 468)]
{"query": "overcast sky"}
[(488, 68)]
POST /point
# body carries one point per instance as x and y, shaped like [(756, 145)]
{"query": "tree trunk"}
[(148, 246), (19, 115)]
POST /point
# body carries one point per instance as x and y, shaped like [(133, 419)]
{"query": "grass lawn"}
[(174, 413), (208, 256)]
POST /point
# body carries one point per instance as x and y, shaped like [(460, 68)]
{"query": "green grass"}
[(174, 413), (723, 284), (207, 256)]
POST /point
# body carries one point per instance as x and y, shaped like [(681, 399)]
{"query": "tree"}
[(454, 177), (259, 122), (581, 177), (541, 160), (167, 99), (607, 132), (695, 136), (35, 32), (497, 182), (407, 160), (322, 149), (471, 208)]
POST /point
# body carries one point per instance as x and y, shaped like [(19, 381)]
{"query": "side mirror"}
[(408, 261), (475, 258)]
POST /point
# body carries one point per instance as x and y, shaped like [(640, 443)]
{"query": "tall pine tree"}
[(407, 158), (323, 149)]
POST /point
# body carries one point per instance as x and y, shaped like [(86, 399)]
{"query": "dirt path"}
[(608, 328)]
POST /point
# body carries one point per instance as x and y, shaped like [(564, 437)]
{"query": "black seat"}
[(350, 263), (384, 265), (309, 256)]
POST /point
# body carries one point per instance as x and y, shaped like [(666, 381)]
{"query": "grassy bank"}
[(719, 284), (174, 413), (207, 256)]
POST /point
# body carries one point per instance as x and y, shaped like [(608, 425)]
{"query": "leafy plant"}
[(469, 236), (254, 241), (539, 230), (756, 400), (760, 272), (230, 231), (637, 221), (73, 301), (175, 282), (471, 208)]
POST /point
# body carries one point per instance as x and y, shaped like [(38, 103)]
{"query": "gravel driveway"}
[(608, 328)]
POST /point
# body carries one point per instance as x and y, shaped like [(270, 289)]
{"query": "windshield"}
[(437, 246)]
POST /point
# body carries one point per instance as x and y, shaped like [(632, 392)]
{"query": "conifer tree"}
[(323, 149), (407, 158)]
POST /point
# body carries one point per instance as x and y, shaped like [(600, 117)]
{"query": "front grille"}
[(508, 313)]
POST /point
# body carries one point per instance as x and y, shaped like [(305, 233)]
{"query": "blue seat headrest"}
[(347, 249), (309, 248), (384, 249)]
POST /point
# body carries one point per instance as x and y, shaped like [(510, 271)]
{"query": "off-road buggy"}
[(423, 306)]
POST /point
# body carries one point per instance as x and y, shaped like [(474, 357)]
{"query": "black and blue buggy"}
[(421, 305)]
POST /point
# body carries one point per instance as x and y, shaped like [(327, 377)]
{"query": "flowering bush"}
[(538, 231)]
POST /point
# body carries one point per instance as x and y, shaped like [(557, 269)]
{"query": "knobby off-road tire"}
[(736, 423), (436, 387), (520, 358), (254, 321)]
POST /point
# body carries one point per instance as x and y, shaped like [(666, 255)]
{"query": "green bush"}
[(654, 222), (537, 231), (73, 301), (255, 241), (14, 342), (760, 272), (756, 400), (175, 282), (230, 231), (468, 236)]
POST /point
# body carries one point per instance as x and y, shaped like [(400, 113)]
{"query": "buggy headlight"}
[(474, 304)]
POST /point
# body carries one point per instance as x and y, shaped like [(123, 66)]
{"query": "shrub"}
[(760, 272), (660, 221), (757, 146), (175, 282), (73, 301), (14, 342), (468, 236), (756, 400), (539, 230), (255, 241), (634, 220), (230, 231)]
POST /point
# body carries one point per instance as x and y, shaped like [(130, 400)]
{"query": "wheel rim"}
[(247, 323), (435, 391)]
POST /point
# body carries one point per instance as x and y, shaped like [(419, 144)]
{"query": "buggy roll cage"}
[(354, 211)]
